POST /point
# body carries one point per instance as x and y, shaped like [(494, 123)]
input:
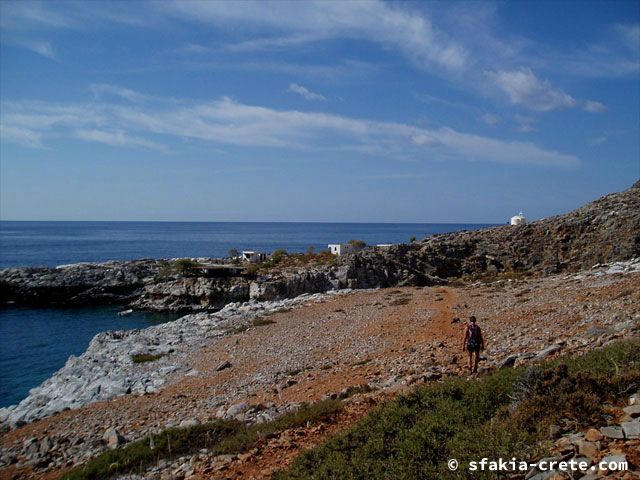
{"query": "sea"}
[(36, 342)]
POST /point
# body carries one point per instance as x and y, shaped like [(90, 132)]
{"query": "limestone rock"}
[(112, 438), (612, 432), (593, 435), (633, 411), (510, 361), (631, 429), (223, 366), (189, 423)]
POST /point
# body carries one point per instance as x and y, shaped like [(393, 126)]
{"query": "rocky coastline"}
[(603, 231), (108, 369), (582, 250)]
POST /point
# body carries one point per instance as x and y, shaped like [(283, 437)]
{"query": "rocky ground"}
[(387, 339), (601, 450)]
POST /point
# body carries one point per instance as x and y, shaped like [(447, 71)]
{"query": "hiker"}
[(473, 343)]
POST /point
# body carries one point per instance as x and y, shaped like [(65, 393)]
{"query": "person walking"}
[(473, 343)]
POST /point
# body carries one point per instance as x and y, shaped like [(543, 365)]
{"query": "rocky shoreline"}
[(107, 368)]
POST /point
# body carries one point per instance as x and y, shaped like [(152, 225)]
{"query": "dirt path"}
[(279, 452)]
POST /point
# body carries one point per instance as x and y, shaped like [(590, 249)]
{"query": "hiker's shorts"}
[(472, 347)]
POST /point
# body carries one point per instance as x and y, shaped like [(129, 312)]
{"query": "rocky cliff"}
[(191, 294), (77, 284)]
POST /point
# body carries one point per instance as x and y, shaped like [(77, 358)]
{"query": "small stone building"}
[(519, 219), (251, 256), (340, 248)]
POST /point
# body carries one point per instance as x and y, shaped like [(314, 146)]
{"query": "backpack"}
[(473, 342)]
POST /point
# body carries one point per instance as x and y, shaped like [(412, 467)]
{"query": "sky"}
[(330, 111)]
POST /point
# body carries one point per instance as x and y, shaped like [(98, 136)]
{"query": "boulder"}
[(542, 354), (236, 409), (612, 432), (508, 362), (112, 438), (588, 449), (631, 429), (223, 366), (632, 411), (593, 435), (191, 422)]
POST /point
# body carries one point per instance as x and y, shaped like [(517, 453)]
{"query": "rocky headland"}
[(604, 231)]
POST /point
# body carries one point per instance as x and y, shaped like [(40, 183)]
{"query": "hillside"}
[(602, 231)]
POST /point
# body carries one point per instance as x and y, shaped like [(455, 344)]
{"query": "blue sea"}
[(34, 343)]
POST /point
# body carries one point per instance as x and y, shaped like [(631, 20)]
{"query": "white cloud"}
[(615, 55), (101, 89), (28, 15), (271, 43), (524, 88), (427, 139), (593, 107), (375, 21), (306, 93), (36, 45), (490, 119), (119, 139), (226, 121), (598, 140), (630, 36), (20, 135)]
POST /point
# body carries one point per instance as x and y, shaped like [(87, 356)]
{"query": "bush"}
[(185, 266), (357, 244), (278, 255), (145, 357), (220, 437)]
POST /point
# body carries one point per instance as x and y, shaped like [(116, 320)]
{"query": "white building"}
[(251, 256), (340, 248), (519, 219)]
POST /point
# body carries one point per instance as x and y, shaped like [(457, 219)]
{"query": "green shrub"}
[(506, 414), (145, 357), (220, 437), (185, 266), (357, 244), (278, 255)]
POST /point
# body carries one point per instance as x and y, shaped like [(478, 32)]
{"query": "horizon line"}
[(250, 221)]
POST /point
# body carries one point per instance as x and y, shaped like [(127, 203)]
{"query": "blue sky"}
[(315, 111)]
